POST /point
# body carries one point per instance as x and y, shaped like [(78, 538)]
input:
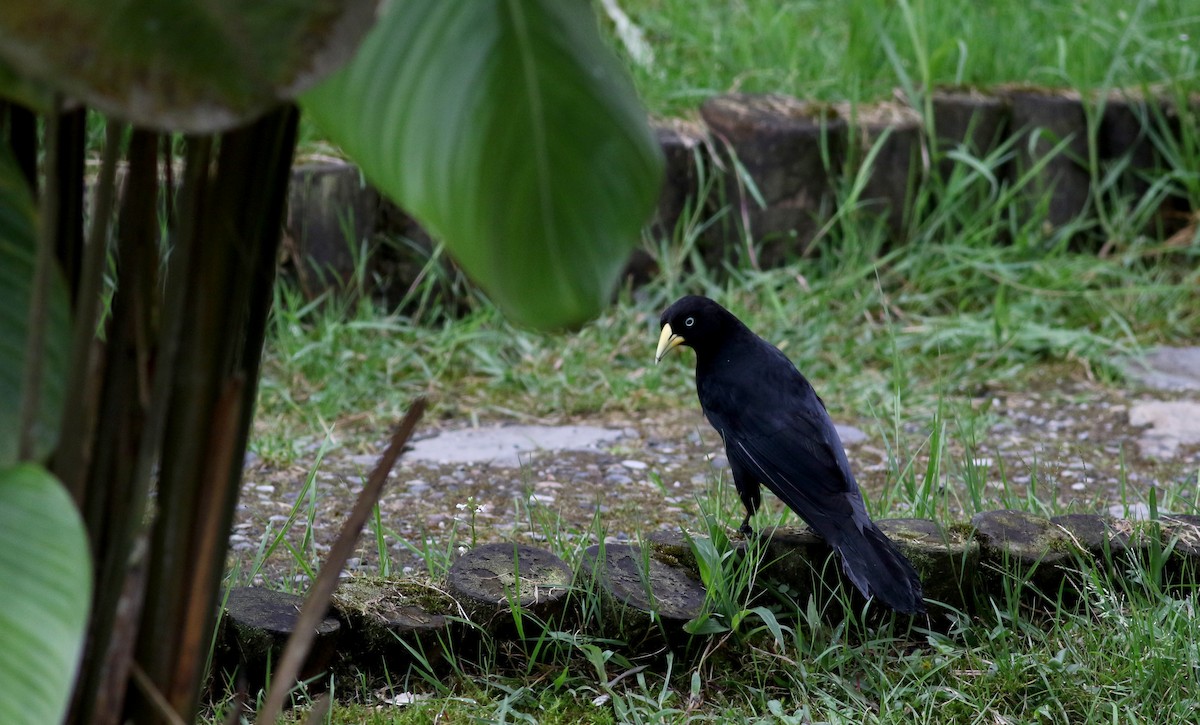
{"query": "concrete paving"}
[(1167, 368), (509, 445)]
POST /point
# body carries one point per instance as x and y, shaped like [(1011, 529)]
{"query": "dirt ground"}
[(1073, 439)]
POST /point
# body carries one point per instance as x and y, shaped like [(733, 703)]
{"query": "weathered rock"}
[(508, 445), (1172, 424), (1181, 533), (642, 600), (411, 272), (1102, 538), (682, 144), (674, 548), (795, 556), (391, 625), (850, 435), (330, 211), (1167, 368), (1124, 136), (967, 120), (897, 169), (946, 559), (254, 630), (1017, 547), (510, 590), (1052, 132), (783, 145)]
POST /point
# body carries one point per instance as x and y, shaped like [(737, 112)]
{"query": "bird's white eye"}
[(689, 322)]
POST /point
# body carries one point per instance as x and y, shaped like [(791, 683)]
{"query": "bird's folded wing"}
[(801, 461)]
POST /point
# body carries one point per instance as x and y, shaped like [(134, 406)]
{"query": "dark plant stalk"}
[(22, 138), (71, 142), (316, 604), (48, 226), (121, 616), (233, 217), (114, 502), (74, 454)]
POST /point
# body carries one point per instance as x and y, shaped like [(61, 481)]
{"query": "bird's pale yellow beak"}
[(666, 341)]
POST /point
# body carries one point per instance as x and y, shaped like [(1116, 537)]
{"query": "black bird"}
[(777, 433)]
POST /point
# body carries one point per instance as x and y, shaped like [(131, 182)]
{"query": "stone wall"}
[(794, 156)]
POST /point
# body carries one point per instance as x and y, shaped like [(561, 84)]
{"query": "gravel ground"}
[(1075, 437)]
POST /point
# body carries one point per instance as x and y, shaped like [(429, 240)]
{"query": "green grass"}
[(1125, 652), (977, 298), (837, 51)]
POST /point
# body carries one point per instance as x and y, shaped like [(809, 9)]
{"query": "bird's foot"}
[(745, 529)]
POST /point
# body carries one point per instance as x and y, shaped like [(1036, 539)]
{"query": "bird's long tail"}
[(877, 568)]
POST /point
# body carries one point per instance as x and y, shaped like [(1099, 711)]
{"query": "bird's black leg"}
[(748, 491)]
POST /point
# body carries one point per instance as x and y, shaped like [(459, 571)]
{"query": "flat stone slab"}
[(849, 434), (492, 581), (1167, 368), (642, 598), (255, 629), (1018, 546), (1172, 424), (509, 445), (1100, 536), (646, 584), (946, 559), (386, 620)]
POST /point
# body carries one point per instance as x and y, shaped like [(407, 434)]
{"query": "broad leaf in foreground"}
[(17, 255), (187, 65), (510, 131), (44, 564)]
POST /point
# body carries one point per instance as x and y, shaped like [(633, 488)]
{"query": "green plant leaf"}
[(24, 90), (510, 131), (189, 65), (45, 567), (705, 624), (18, 242)]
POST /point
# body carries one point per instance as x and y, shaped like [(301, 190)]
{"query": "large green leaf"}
[(47, 586), (24, 90), (18, 244), (510, 131), (187, 65)]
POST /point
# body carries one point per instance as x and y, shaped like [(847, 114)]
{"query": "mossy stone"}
[(800, 563), (386, 620), (674, 548), (1018, 547), (496, 583), (946, 559), (1103, 538)]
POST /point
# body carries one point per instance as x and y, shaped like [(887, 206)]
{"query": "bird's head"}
[(696, 322)]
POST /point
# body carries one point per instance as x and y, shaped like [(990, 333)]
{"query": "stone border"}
[(502, 597), (795, 152)]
